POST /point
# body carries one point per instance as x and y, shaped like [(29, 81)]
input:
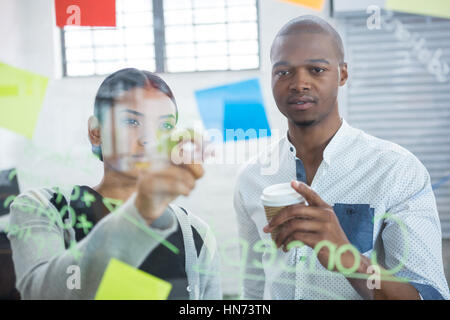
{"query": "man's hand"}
[(309, 224)]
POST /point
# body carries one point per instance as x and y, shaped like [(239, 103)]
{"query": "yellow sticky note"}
[(313, 4), (21, 97), (436, 8), (124, 282)]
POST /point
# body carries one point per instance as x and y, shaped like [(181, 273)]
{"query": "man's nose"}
[(300, 81)]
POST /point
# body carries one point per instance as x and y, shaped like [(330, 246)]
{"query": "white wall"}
[(59, 153)]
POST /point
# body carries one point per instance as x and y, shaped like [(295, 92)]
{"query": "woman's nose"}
[(142, 142)]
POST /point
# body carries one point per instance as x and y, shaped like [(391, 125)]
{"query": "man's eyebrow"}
[(133, 112), (285, 63), (318, 61), (280, 63)]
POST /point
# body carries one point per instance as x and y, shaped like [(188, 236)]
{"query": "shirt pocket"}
[(357, 222)]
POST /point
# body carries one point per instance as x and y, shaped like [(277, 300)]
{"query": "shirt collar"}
[(335, 145)]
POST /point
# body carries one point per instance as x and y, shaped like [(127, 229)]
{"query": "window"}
[(189, 35)]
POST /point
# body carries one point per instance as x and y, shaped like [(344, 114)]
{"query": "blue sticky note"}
[(234, 106), (245, 120)]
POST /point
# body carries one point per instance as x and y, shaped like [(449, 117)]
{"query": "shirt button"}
[(188, 288), (292, 149)]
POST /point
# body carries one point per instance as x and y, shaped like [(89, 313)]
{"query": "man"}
[(370, 211), (82, 227)]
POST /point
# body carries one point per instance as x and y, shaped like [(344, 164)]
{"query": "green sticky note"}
[(436, 8), (124, 282), (21, 97), (12, 91)]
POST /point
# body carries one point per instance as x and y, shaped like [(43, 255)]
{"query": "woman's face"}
[(131, 127)]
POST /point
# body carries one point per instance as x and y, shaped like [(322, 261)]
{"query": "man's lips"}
[(302, 103)]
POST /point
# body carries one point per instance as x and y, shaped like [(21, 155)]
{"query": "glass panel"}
[(213, 32), (212, 63), (139, 36), (80, 69), (179, 34), (79, 38), (108, 67), (244, 62), (243, 47), (216, 15), (109, 53), (140, 52), (143, 64), (232, 3), (178, 17), (120, 20), (138, 19), (137, 5), (85, 54), (120, 5), (181, 64), (180, 50), (208, 3), (242, 14), (189, 47), (243, 31), (104, 37), (211, 49), (75, 28), (177, 4)]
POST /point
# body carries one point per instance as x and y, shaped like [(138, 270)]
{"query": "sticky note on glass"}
[(22, 94), (313, 4), (245, 120), (436, 8), (98, 13), (234, 109), (124, 282)]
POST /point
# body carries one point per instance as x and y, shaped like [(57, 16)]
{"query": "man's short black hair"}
[(121, 81), (312, 24)]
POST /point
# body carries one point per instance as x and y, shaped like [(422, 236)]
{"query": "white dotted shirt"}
[(385, 204)]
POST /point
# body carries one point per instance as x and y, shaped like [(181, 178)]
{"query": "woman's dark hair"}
[(121, 81)]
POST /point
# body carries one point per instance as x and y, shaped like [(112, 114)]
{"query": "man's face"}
[(131, 127), (306, 76)]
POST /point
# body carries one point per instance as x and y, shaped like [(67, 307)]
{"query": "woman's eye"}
[(131, 122), (166, 126)]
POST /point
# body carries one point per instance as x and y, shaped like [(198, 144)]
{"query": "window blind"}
[(395, 94)]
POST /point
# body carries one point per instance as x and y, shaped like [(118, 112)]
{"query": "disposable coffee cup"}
[(277, 197)]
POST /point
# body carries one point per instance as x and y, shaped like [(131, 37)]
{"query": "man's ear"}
[(343, 74), (94, 131)]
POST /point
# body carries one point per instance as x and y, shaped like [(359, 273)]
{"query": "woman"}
[(132, 110)]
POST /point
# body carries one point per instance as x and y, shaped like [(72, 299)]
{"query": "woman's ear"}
[(94, 131)]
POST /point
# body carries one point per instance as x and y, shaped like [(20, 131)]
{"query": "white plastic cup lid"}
[(281, 194)]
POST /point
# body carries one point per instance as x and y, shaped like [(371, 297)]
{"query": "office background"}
[(390, 94)]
